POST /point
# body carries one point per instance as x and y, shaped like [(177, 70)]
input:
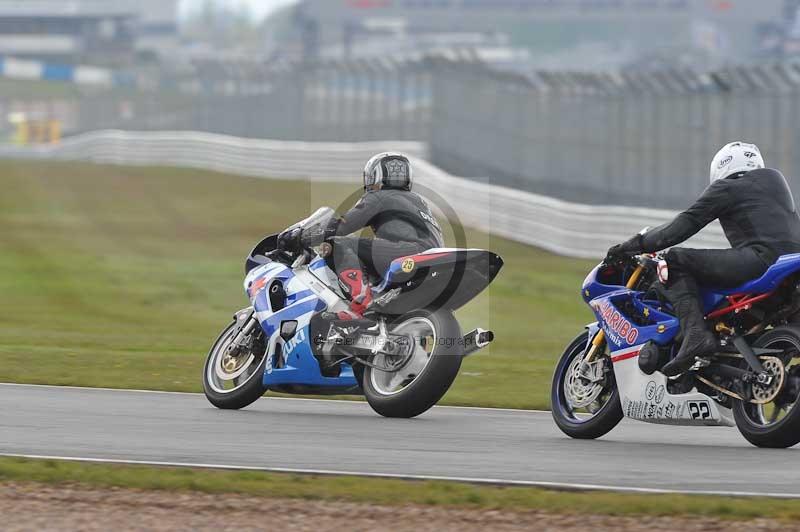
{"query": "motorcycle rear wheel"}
[(427, 376), (603, 413), (245, 384), (775, 424)]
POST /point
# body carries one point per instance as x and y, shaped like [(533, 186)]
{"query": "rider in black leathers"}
[(757, 212), (401, 221)]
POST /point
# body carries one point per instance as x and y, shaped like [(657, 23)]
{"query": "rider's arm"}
[(360, 215), (714, 201)]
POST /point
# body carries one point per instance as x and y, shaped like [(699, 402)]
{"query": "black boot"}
[(698, 341)]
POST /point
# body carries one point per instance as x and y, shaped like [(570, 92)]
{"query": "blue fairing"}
[(300, 304), (620, 331), (605, 300), (293, 311), (317, 264), (303, 368), (592, 288)]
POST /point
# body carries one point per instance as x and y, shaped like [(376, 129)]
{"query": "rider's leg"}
[(352, 279), (717, 268), (378, 254), (721, 268), (697, 338), (354, 257)]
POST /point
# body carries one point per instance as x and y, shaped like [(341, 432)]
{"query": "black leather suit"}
[(402, 223), (760, 220)]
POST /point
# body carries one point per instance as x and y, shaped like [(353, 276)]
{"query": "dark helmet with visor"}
[(390, 170)]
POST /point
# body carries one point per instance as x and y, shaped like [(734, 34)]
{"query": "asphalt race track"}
[(330, 436)]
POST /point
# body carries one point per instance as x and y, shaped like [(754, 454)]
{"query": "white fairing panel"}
[(645, 397), (318, 282)]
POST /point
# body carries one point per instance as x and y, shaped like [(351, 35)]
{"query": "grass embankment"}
[(390, 492), (122, 277)]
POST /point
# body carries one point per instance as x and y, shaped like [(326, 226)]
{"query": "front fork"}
[(245, 323)]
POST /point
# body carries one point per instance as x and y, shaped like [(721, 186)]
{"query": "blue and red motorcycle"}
[(612, 369)]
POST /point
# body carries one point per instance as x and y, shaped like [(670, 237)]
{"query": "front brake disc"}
[(580, 392)]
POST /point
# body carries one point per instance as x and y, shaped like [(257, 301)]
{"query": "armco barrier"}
[(566, 228)]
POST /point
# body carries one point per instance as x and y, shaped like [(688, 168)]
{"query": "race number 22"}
[(699, 409)]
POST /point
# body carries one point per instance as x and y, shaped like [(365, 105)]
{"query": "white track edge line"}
[(483, 481), (195, 394)]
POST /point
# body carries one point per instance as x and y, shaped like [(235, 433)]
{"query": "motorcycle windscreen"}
[(320, 218), (257, 257), (442, 280)]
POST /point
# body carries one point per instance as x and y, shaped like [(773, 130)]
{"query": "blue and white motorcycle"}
[(403, 356), (613, 369)]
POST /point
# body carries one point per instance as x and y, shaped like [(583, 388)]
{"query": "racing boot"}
[(358, 290), (698, 341)]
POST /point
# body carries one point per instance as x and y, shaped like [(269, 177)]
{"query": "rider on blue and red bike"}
[(758, 214)]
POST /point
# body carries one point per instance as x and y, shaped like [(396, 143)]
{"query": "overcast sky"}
[(260, 8)]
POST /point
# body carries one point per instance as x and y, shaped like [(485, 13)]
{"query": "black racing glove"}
[(316, 234), (290, 240), (630, 247)]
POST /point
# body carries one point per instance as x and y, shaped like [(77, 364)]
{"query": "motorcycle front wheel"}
[(234, 382), (428, 372), (584, 406)]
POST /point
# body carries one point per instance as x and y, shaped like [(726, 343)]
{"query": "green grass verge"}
[(389, 491), (122, 277)]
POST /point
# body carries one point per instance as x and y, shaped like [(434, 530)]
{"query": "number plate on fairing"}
[(646, 398)]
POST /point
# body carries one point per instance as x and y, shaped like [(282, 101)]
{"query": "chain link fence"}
[(347, 101), (636, 139), (622, 139)]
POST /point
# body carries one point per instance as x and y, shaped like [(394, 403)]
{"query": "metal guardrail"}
[(566, 228)]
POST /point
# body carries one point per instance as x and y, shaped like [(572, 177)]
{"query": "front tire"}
[(230, 386), (433, 366), (775, 424), (568, 394)]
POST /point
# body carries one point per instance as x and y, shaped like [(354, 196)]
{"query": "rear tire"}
[(585, 427), (432, 382), (247, 392), (751, 419)]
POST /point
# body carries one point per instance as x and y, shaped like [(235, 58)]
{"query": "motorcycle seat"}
[(444, 277), (772, 278), (402, 268)]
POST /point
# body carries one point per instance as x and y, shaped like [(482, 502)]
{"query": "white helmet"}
[(734, 158)]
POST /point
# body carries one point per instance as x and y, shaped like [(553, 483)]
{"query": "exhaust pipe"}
[(476, 340)]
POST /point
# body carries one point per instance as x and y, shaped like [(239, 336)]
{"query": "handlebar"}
[(633, 260)]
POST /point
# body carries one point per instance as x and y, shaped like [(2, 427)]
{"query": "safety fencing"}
[(565, 228), (633, 137)]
